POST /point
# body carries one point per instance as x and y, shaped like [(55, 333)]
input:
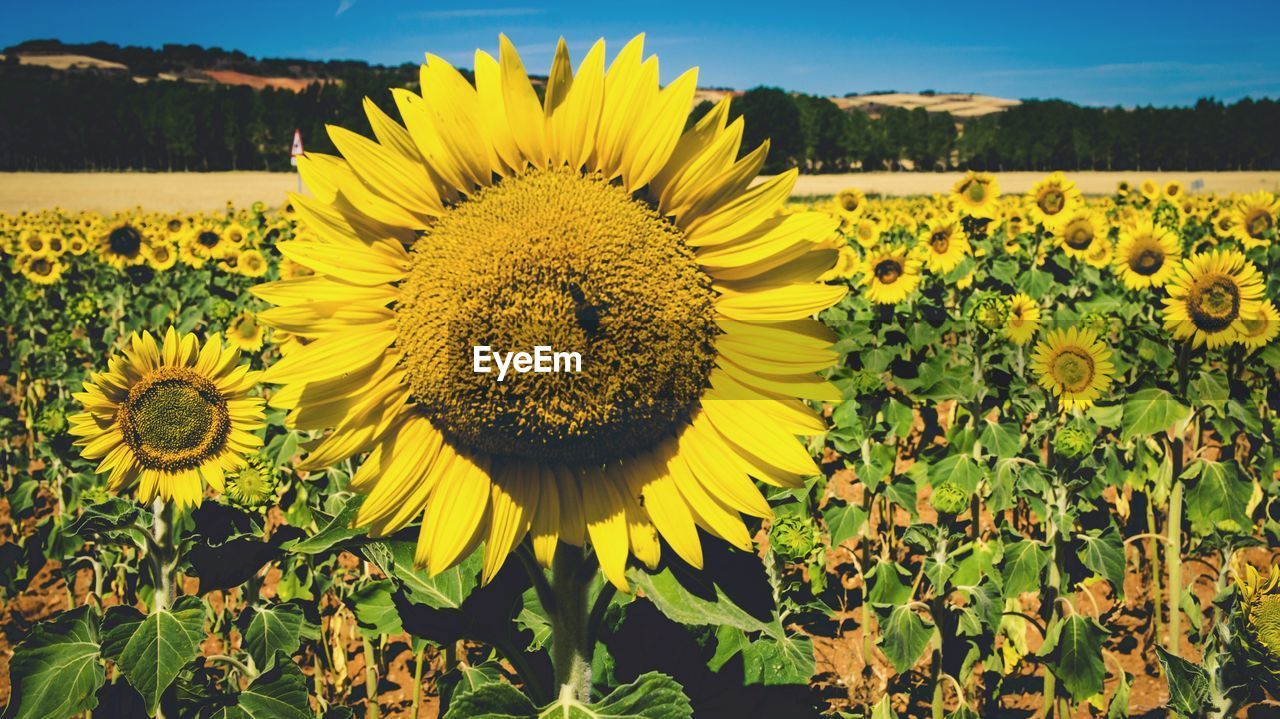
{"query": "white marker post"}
[(295, 152)]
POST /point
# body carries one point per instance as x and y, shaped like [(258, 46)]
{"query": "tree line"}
[(57, 120)]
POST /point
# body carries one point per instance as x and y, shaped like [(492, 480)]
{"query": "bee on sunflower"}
[(977, 194), (1210, 295), (1075, 365), (1053, 201), (169, 418), (943, 245), (1146, 255)]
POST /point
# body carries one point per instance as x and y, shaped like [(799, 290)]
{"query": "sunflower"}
[(160, 255), (848, 264), (866, 232), (246, 333), (1254, 219), (1077, 233), (123, 245), (236, 235), (31, 242), (1053, 200), (1173, 191), (203, 243), (890, 274), (1210, 296), (1146, 255), (1259, 330), (169, 417), (1257, 621), (1024, 319), (1100, 253), (976, 194), (1150, 189), (55, 243), (77, 245), (943, 245), (1075, 365), (42, 268), (251, 263), (642, 247), (849, 202)]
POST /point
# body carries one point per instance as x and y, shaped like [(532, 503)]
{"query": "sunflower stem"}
[(570, 633), (1174, 547)]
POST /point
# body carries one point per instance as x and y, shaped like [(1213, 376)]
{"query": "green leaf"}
[(1103, 553), (337, 529), (1024, 562), (1151, 411), (651, 696), (1003, 440), (843, 521), (1219, 495), (271, 630), (1188, 684), (777, 659), (152, 651), (899, 416), (883, 709), (904, 635), (115, 520), (446, 590), (1119, 706), (375, 609), (959, 469), (55, 671), (278, 694), (1073, 651)]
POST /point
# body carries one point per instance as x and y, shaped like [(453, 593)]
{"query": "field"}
[(1032, 494), (188, 192)]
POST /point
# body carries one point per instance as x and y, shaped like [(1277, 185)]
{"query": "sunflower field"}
[(978, 454)]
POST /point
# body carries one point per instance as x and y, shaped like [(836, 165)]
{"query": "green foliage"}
[(55, 672)]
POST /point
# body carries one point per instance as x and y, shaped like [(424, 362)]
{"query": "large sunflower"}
[(1146, 255), (1254, 220), (1210, 296), (1075, 365), (1053, 200), (890, 274), (169, 417), (943, 245), (589, 222), (977, 194)]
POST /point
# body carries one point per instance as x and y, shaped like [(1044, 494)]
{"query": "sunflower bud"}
[(864, 382), (254, 486), (1073, 441), (990, 311), (948, 498), (52, 421), (220, 311), (795, 538), (1257, 620)]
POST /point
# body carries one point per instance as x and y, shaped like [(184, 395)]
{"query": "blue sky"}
[(1118, 52)]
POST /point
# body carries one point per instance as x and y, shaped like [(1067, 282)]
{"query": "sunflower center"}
[(849, 203), (1079, 237), (888, 271), (1073, 368), (1258, 224), (1147, 260), (1214, 303), (976, 191), (41, 267), (208, 238), (940, 241), (556, 259), (174, 419), (1052, 201), (1265, 620), (125, 240)]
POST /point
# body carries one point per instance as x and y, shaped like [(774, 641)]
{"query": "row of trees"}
[(109, 121)]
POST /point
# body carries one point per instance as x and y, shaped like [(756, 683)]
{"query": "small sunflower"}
[(1210, 296), (1075, 365), (977, 194), (31, 242), (1146, 255), (160, 255), (890, 274), (1078, 232), (77, 245), (124, 245), (253, 486), (1254, 220), (203, 243), (1053, 200), (1150, 189), (848, 264), (246, 333), (236, 234), (251, 263), (42, 268), (849, 202), (1024, 319), (943, 245), (1173, 191), (169, 417), (1099, 254), (866, 232), (1259, 330)]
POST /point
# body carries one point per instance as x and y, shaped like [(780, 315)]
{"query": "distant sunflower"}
[(1078, 232), (77, 245), (251, 263), (1024, 319), (1053, 200), (943, 245), (161, 255), (1100, 253), (246, 333), (622, 236), (890, 274), (1075, 365), (169, 417), (203, 243), (1146, 255), (236, 234), (1254, 219), (32, 242), (42, 268), (866, 232), (1173, 191), (977, 194), (850, 201), (123, 245), (1150, 189), (1259, 330), (1210, 296)]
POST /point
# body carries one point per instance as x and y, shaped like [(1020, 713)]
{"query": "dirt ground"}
[(191, 191)]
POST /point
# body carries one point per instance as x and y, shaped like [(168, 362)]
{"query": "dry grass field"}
[(181, 191)]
